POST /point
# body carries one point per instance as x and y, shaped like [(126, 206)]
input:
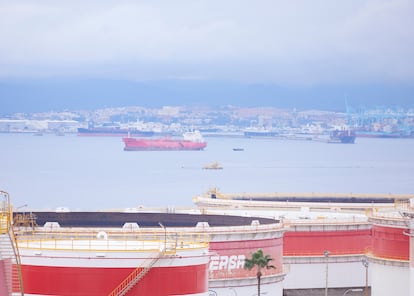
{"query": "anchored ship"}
[(379, 134), (191, 141), (259, 132), (342, 136), (113, 131)]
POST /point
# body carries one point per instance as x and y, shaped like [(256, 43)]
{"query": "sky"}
[(292, 43)]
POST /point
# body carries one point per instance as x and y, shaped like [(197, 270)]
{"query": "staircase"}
[(134, 277), (9, 253), (11, 264)]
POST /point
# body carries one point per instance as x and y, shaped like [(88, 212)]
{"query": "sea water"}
[(94, 173)]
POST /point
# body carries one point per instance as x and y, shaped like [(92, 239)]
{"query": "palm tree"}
[(261, 261)]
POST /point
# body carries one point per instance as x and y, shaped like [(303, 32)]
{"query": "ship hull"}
[(258, 134), (132, 144), (342, 136), (386, 135)]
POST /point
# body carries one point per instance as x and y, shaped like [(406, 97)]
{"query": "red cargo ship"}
[(190, 141)]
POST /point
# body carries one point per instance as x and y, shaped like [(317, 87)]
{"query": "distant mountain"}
[(89, 94)]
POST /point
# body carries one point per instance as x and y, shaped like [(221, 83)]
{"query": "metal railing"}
[(6, 230), (137, 241)]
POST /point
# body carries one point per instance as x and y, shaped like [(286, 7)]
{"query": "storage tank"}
[(90, 253), (389, 255)]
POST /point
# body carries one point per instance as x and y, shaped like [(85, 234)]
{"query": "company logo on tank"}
[(227, 262)]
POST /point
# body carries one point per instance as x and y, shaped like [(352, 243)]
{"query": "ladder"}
[(9, 252), (134, 277), (11, 261)]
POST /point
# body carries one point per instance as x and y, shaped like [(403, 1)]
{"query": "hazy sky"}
[(286, 42)]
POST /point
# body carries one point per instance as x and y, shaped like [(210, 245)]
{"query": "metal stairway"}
[(9, 253), (11, 263), (134, 277)]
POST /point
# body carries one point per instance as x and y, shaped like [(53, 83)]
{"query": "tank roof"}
[(143, 219)]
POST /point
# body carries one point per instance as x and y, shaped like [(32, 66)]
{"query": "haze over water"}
[(94, 173)]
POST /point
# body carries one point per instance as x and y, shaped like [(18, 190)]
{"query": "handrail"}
[(115, 241), (6, 227), (18, 260), (327, 221), (307, 194)]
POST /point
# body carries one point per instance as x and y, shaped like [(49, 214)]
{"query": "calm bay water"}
[(94, 173)]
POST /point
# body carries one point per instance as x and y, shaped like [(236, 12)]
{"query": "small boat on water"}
[(191, 141), (213, 166), (238, 149)]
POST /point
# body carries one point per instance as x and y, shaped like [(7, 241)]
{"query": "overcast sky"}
[(285, 42)]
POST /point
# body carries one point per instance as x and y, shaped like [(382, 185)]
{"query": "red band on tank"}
[(77, 281), (390, 243), (314, 243)]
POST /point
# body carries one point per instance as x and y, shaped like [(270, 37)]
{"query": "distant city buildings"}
[(177, 119)]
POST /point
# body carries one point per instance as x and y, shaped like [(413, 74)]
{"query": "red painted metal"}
[(390, 243), (228, 261), (314, 243), (78, 281), (4, 286), (411, 251)]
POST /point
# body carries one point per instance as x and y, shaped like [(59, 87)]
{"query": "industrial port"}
[(223, 121)]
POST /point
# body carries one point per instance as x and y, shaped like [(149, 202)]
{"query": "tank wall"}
[(411, 281), (313, 275), (389, 280), (390, 243), (55, 272), (412, 257), (229, 256), (307, 243), (59, 258), (46, 280), (273, 289)]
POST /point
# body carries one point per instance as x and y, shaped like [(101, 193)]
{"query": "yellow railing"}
[(6, 213), (3, 223), (114, 241), (331, 195)]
